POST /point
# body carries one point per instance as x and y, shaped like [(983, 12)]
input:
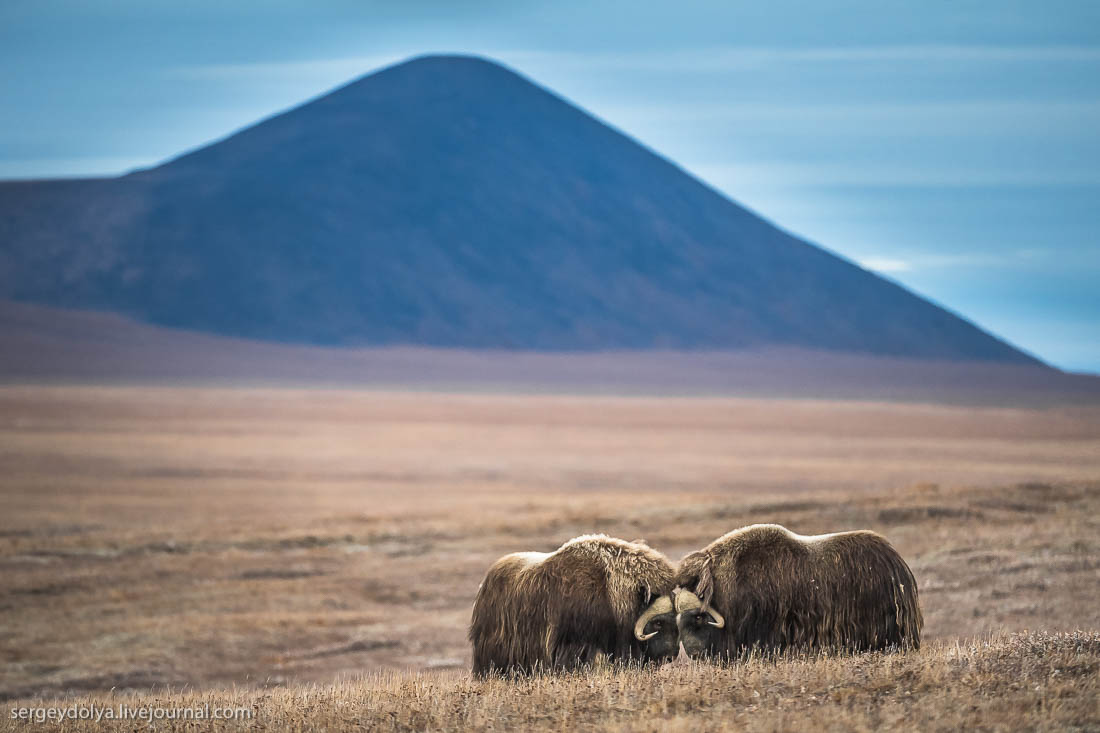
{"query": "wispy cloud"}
[(780, 174), (75, 167), (340, 68), (748, 57), (727, 58), (917, 112), (885, 264), (927, 261)]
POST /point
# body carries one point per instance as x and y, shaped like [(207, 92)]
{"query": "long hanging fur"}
[(566, 608), (779, 590)]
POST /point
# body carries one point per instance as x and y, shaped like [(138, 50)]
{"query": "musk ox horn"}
[(659, 607), (688, 601)]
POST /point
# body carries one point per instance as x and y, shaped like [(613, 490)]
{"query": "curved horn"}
[(688, 601), (659, 607)]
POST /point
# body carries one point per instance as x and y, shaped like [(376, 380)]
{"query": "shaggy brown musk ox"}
[(767, 588), (595, 598)]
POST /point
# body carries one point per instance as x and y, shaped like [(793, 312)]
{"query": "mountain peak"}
[(452, 69), (445, 62)]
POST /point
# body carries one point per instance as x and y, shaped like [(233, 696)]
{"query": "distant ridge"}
[(449, 202), (44, 345)]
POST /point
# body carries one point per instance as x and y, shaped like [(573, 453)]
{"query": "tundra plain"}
[(314, 553)]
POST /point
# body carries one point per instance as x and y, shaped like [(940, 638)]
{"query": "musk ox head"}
[(656, 630), (699, 626)]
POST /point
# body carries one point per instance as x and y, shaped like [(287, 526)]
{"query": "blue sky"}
[(952, 146)]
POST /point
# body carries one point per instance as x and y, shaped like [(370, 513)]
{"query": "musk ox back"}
[(594, 598), (768, 588)]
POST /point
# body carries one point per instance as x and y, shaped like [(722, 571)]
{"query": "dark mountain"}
[(447, 201)]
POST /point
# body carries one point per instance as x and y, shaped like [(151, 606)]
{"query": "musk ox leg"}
[(570, 656)]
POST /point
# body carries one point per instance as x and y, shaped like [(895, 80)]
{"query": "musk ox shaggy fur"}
[(594, 598), (767, 588)]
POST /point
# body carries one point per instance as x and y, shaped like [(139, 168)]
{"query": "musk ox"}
[(767, 588), (595, 598)]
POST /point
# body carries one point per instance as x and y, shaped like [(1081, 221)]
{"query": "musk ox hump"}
[(627, 567)]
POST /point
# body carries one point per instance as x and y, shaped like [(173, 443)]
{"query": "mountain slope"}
[(447, 201)]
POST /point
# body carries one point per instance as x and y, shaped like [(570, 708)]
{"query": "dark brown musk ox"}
[(595, 599), (766, 588)]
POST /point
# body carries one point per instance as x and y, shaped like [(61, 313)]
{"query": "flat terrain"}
[(265, 538), (73, 346)]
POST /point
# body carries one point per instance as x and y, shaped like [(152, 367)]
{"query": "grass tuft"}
[(1033, 681)]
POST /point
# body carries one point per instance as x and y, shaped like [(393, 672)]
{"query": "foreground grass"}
[(1032, 681)]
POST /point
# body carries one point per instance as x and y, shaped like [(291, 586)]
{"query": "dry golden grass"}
[(1036, 681), (263, 540)]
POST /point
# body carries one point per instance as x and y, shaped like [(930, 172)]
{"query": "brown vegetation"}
[(1036, 681), (275, 538)]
